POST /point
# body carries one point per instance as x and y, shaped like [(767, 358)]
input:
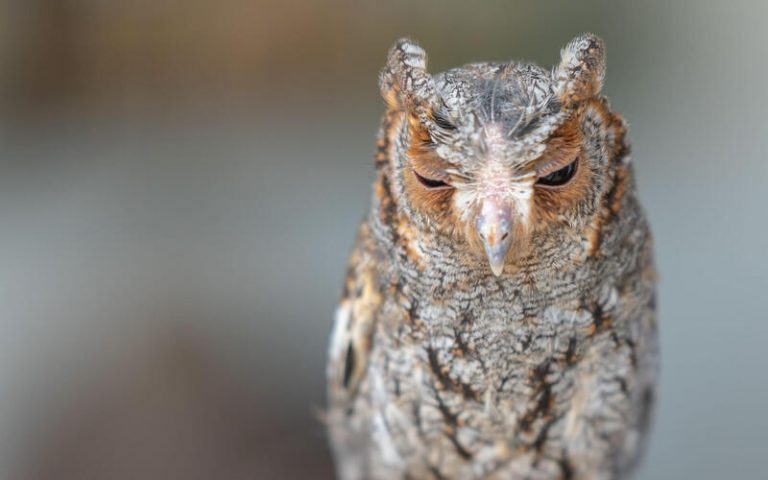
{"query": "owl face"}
[(500, 157)]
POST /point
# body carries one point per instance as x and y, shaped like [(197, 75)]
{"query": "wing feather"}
[(353, 328), (349, 351)]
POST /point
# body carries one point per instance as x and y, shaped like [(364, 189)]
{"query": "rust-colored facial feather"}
[(562, 148), (551, 207), (434, 203), (550, 202)]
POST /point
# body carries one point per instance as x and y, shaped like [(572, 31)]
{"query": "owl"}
[(497, 319)]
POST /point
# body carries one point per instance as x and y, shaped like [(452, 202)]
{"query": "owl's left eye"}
[(431, 183), (559, 177)]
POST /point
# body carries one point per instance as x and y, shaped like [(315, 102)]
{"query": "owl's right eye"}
[(442, 121), (559, 177), (431, 183)]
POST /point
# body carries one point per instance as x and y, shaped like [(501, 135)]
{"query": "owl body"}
[(497, 319)]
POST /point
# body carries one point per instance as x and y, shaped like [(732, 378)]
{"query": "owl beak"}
[(494, 227)]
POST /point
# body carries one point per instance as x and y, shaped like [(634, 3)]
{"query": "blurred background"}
[(180, 183)]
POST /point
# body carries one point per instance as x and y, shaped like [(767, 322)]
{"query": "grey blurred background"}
[(180, 183)]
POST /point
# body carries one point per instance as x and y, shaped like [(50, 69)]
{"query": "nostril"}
[(504, 237)]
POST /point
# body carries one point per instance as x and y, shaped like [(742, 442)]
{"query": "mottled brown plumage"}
[(497, 320)]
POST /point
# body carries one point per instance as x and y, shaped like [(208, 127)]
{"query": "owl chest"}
[(484, 383), (492, 351), (503, 384)]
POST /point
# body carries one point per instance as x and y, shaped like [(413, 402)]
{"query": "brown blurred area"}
[(92, 52), (73, 52), (180, 183)]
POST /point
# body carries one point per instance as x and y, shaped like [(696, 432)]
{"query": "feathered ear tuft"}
[(581, 71), (404, 80)]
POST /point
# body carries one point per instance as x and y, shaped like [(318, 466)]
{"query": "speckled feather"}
[(440, 369)]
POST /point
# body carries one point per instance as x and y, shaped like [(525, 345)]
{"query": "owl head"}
[(507, 162)]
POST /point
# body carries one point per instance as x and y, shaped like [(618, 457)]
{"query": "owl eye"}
[(559, 177), (431, 183), (442, 121)]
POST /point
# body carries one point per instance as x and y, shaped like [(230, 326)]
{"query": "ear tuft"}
[(581, 71), (404, 80)]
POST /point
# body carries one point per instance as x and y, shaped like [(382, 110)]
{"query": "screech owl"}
[(497, 320)]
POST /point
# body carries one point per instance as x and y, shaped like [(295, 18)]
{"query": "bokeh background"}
[(180, 183)]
